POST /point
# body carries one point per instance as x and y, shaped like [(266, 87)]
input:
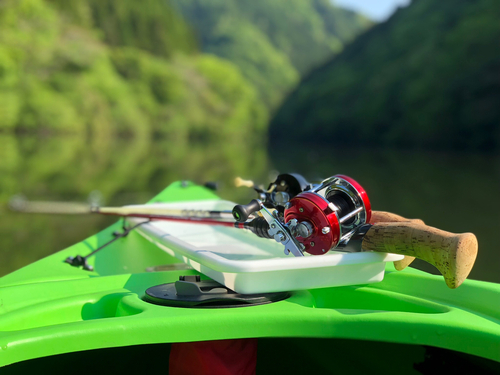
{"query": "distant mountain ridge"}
[(273, 43), (428, 77)]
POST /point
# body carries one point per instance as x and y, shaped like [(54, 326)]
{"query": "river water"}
[(451, 191)]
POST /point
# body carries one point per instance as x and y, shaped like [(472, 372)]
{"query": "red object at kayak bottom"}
[(222, 357)]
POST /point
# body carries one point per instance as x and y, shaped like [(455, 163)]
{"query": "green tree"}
[(428, 77)]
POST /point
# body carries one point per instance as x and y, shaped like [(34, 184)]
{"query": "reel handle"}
[(452, 254), (241, 212), (389, 217)]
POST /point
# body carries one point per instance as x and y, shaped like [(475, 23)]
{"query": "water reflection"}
[(456, 193), (124, 170)]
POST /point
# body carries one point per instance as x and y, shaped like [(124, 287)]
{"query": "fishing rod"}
[(19, 203), (271, 197), (332, 215), (257, 225)]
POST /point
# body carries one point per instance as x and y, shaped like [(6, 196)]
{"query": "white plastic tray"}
[(248, 264)]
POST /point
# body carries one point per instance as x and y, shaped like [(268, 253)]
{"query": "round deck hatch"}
[(192, 292)]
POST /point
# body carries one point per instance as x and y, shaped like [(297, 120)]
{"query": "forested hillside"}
[(273, 42), (149, 25), (106, 68), (429, 77)]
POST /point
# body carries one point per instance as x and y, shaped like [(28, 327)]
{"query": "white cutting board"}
[(248, 264)]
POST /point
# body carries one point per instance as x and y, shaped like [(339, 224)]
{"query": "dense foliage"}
[(429, 77), (273, 42), (150, 25), (61, 73)]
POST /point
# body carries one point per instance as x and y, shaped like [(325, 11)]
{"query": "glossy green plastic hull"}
[(50, 307)]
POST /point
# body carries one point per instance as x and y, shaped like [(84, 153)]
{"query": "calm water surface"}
[(453, 192)]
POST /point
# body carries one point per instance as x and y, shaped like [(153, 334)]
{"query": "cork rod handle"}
[(389, 217), (452, 254)]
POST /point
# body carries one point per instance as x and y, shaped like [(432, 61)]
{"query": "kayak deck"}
[(50, 308)]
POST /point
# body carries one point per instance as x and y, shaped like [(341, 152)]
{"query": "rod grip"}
[(241, 212), (452, 254), (389, 217)]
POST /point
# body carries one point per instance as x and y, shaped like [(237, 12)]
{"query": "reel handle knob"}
[(239, 182), (452, 254), (241, 212)]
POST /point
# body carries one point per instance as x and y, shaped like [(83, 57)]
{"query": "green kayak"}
[(55, 318)]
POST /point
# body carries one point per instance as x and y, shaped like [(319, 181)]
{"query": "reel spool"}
[(328, 214)]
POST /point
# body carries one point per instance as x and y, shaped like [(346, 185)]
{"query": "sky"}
[(378, 10)]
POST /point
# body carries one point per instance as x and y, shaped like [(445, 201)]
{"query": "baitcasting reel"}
[(316, 219), (328, 214)]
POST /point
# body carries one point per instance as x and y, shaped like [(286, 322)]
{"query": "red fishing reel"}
[(329, 213)]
